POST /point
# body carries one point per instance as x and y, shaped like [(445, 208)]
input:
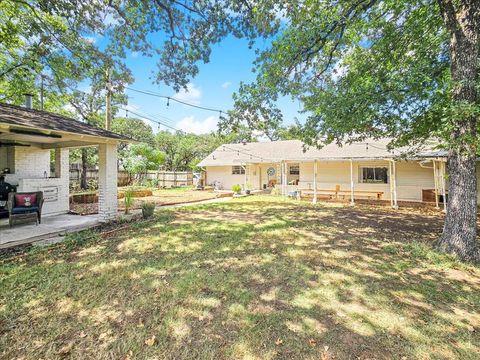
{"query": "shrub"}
[(236, 188)]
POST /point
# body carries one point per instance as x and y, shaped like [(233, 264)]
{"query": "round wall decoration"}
[(271, 171)]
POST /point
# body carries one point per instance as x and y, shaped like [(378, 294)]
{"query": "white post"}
[(315, 169), (444, 191), (352, 186), (435, 181), (284, 178), (394, 184), (107, 182), (390, 174), (245, 180)]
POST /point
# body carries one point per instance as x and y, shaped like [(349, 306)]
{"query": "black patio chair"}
[(30, 209)]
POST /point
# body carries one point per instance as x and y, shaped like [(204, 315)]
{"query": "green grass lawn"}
[(251, 278)]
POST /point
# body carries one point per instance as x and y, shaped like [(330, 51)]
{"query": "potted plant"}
[(236, 189), (147, 209)]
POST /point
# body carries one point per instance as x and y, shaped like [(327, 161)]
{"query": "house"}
[(31, 141), (353, 171)]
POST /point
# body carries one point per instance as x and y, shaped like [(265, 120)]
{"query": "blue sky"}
[(230, 63)]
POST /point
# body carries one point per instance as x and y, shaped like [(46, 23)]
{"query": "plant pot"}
[(147, 213), (247, 192)]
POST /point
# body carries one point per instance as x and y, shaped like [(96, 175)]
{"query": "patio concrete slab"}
[(54, 227), (50, 226)]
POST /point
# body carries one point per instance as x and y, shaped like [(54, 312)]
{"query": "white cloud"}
[(134, 54), (191, 95), (205, 126), (226, 84), (90, 39)]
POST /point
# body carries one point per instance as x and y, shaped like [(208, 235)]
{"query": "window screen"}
[(294, 169), (238, 170), (374, 175)]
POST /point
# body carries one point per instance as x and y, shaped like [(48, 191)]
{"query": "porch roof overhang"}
[(27, 127), (324, 159)]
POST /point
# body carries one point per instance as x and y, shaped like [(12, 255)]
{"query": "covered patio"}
[(51, 226), (366, 170), (34, 156)]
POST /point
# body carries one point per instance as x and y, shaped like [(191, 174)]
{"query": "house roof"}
[(44, 120), (295, 150)]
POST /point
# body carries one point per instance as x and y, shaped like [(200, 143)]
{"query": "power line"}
[(151, 93), (151, 119)]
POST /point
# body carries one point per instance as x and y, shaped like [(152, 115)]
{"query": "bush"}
[(236, 188), (148, 209)]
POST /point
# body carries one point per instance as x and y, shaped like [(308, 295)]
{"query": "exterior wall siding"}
[(223, 175)]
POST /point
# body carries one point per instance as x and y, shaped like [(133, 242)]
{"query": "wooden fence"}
[(161, 178), (171, 178)]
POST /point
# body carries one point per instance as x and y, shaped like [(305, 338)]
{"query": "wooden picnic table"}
[(343, 193)]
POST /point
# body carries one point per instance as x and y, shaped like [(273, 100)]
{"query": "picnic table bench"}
[(337, 193)]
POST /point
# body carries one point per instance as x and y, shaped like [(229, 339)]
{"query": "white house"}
[(364, 169), (29, 139)]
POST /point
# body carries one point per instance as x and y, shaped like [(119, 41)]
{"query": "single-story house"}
[(31, 141), (366, 169)]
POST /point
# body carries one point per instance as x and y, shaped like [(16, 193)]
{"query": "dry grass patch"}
[(253, 278)]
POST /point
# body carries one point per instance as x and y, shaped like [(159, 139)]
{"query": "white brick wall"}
[(30, 167), (107, 182)]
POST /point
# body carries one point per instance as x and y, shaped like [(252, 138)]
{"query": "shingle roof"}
[(36, 119), (293, 150)]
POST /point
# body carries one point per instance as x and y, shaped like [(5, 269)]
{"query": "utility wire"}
[(151, 93), (151, 119)]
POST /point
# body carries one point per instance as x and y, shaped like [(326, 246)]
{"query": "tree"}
[(134, 128), (141, 158), (184, 151), (89, 107), (370, 68)]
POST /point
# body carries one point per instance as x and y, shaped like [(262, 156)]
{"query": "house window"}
[(238, 170), (374, 175), (294, 169)]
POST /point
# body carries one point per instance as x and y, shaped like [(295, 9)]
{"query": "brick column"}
[(107, 182), (62, 167)]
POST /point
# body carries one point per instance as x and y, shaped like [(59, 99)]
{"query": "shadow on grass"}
[(255, 278)]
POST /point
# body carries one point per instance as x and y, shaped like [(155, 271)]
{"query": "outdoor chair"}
[(25, 206), (5, 189)]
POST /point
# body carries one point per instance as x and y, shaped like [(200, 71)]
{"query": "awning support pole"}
[(394, 183), (435, 181), (352, 186), (390, 174), (315, 169), (444, 190)]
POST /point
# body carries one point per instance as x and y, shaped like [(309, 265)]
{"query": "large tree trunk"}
[(459, 236)]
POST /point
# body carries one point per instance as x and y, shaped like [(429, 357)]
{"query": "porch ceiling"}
[(14, 135), (48, 130)]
